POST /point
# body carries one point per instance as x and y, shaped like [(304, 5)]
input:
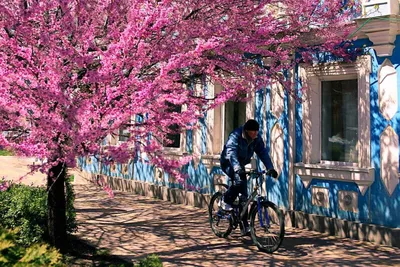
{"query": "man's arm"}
[(232, 151), (263, 154)]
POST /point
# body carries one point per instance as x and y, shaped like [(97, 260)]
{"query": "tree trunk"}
[(56, 206)]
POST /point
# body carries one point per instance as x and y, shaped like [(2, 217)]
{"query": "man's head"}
[(251, 128)]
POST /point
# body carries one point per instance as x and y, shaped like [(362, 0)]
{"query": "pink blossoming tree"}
[(74, 71)]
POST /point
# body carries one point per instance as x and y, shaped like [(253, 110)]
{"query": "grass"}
[(71, 178), (6, 153)]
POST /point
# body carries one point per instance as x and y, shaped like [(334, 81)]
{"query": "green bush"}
[(70, 210), (6, 153), (25, 208), (150, 261), (14, 254)]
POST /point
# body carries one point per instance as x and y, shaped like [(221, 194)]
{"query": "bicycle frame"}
[(260, 199), (250, 200)]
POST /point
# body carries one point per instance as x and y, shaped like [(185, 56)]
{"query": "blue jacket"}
[(238, 152)]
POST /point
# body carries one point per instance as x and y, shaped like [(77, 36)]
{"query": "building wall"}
[(377, 202), (385, 199), (271, 111), (380, 203)]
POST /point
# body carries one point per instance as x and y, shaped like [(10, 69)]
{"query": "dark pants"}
[(239, 185)]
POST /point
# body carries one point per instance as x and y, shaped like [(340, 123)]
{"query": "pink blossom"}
[(74, 72), (4, 185)]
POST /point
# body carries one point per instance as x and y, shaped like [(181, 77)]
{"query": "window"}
[(174, 137), (224, 119), (336, 123), (221, 121), (235, 116), (339, 120), (123, 134)]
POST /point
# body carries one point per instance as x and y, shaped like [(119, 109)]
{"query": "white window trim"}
[(312, 166)]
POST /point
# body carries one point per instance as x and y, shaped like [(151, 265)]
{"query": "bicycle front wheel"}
[(220, 220), (267, 227)]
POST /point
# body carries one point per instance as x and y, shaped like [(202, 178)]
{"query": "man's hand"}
[(273, 173), (240, 175), (240, 172)]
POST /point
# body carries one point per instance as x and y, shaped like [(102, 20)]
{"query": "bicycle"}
[(265, 217)]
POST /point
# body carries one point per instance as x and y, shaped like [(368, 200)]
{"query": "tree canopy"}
[(74, 71)]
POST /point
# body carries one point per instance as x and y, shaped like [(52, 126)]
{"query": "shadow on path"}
[(134, 226)]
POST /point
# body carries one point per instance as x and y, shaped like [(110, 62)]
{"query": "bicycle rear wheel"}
[(220, 220), (267, 227)]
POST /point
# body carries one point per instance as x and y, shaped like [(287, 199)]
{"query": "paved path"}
[(134, 226), (13, 168)]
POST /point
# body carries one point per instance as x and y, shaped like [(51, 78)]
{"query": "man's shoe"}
[(225, 206), (246, 231)]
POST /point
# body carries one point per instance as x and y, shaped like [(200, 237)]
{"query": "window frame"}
[(215, 122), (217, 119), (312, 166)]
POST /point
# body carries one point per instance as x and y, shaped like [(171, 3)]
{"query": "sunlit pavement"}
[(134, 226), (15, 169)]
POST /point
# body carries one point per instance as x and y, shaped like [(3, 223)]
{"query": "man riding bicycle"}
[(238, 151)]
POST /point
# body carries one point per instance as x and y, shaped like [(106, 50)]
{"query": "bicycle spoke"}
[(219, 220), (269, 236)]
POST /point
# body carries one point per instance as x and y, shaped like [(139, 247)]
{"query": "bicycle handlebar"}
[(257, 173)]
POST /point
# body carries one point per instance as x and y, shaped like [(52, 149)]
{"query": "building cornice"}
[(381, 31)]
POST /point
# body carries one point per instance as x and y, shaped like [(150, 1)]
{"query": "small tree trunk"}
[(56, 206)]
